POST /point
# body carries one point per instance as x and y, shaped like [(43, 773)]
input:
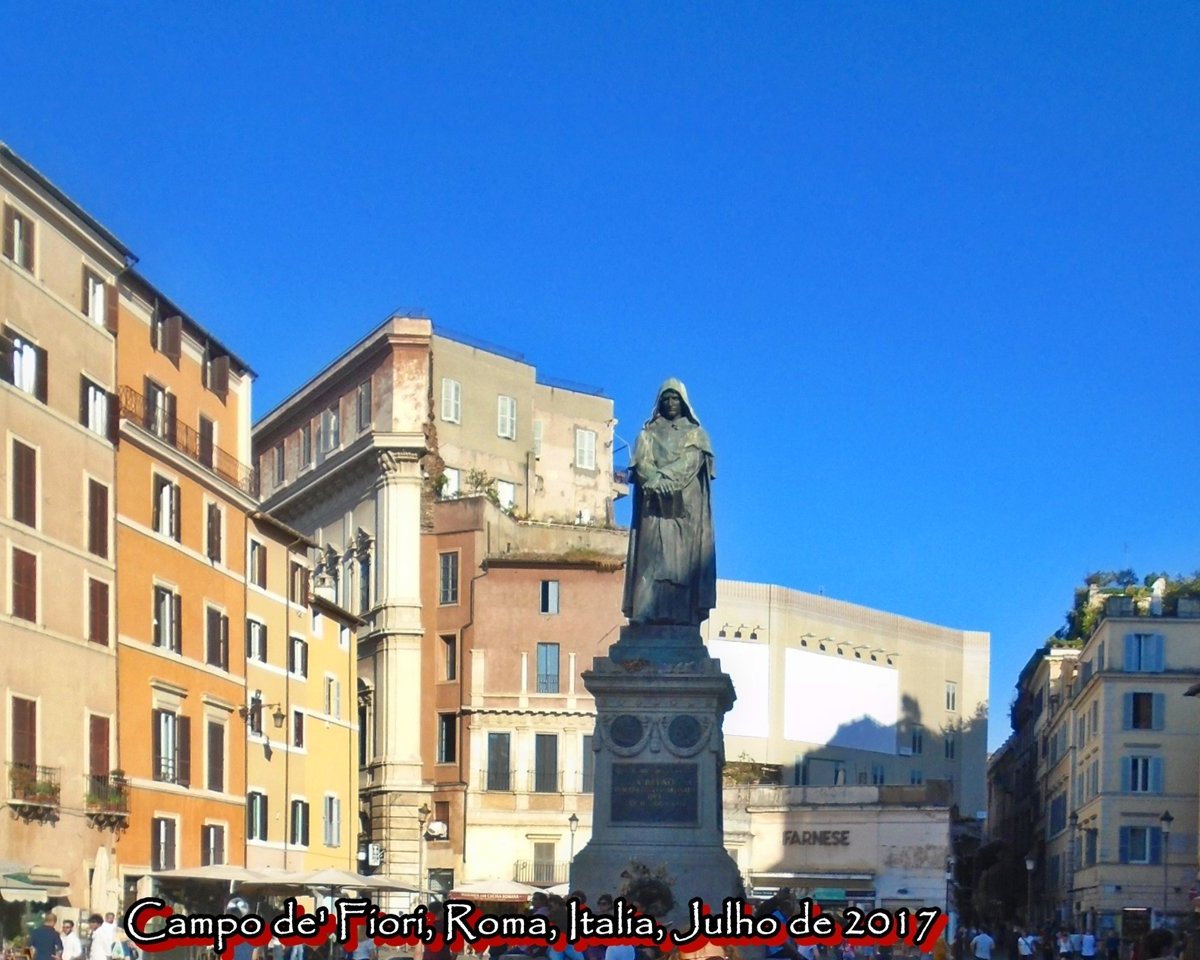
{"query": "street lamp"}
[(1166, 820), (573, 823), (423, 812), (1029, 892)]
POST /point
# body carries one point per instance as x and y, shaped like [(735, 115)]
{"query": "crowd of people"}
[(102, 940)]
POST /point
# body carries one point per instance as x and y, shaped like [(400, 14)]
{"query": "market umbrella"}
[(500, 891)]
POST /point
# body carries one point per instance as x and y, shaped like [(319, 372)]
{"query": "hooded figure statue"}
[(671, 574)]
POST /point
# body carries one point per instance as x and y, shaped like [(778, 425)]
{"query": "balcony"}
[(188, 441), (541, 873), (34, 791), (106, 803)]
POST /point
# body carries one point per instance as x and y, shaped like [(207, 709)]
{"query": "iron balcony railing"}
[(541, 873), (29, 783), (106, 794), (188, 441)]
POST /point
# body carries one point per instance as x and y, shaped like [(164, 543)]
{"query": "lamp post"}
[(423, 812), (573, 823), (1029, 864), (1166, 820)]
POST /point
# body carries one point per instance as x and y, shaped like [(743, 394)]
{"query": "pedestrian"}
[(1158, 944), (100, 945), (1087, 945), (1064, 945), (72, 947), (1112, 946), (1025, 945), (981, 945), (45, 941)]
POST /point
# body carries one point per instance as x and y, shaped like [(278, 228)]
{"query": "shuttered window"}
[(167, 620), (207, 441), (24, 732), (256, 815), (162, 843), (217, 639), (258, 564), (98, 612), (24, 365), (98, 742), (24, 585), (215, 749), (18, 238), (166, 508), (499, 770), (451, 400), (24, 484), (299, 823), (214, 532), (545, 763), (506, 417), (212, 845), (97, 532)]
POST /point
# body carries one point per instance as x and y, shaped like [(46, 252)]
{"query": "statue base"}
[(659, 758)]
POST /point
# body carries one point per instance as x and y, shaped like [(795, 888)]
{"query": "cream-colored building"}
[(833, 693), (57, 609), (357, 459)]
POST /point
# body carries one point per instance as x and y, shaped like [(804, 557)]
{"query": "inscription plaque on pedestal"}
[(658, 793)]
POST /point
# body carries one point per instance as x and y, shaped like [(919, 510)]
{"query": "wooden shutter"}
[(24, 585), (183, 751), (206, 442), (1158, 711), (214, 532), (224, 642), (40, 377), (114, 417), (219, 376), (216, 757), (172, 337), (112, 301), (261, 572), (83, 396), (1127, 711), (6, 355), (156, 748), (149, 387), (303, 659), (169, 855), (10, 245), (304, 818), (219, 846), (176, 639), (97, 518), (24, 731), (175, 497), (27, 245), (170, 406), (98, 739), (24, 483), (98, 612)]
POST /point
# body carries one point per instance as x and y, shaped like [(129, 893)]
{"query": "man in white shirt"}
[(1087, 945), (1025, 945), (72, 947), (101, 944), (981, 946)]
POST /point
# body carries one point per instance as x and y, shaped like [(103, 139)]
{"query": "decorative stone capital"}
[(396, 465)]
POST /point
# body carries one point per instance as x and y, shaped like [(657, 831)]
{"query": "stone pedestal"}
[(660, 704)]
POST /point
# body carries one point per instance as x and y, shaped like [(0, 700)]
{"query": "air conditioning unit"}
[(437, 830), (906, 751), (375, 854)]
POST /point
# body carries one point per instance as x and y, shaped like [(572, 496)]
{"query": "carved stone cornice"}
[(398, 465)]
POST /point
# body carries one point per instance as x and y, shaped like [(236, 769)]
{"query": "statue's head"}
[(669, 404), (673, 403)]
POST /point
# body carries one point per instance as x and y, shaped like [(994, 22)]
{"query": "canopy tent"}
[(23, 883), (225, 873), (496, 891)]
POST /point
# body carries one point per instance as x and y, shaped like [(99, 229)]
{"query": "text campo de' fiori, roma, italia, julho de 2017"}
[(151, 925)]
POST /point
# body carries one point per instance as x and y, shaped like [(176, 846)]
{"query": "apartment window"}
[(94, 412), (1081, 732), (451, 400), (97, 529), (506, 417), (364, 583), (330, 430), (18, 238), (1144, 653), (588, 764), (362, 405), (333, 821), (449, 657), (951, 695), (256, 640), (168, 632), (916, 778), (1094, 717), (306, 448), (549, 596), (24, 484), (159, 415), (214, 746), (24, 585), (333, 697), (216, 646), (585, 449), (98, 612), (212, 845), (298, 583), (24, 732), (451, 483), (1090, 844), (1139, 845), (538, 429), (543, 862), (98, 743), (95, 297), (258, 564), (506, 494), (208, 441), (877, 775), (547, 668), (298, 729), (166, 508), (256, 815), (1143, 711), (280, 465), (447, 745), (166, 335), (545, 763), (171, 746), (26, 368), (299, 823), (499, 769), (214, 523), (298, 657), (448, 592), (162, 843), (1142, 775), (917, 740)]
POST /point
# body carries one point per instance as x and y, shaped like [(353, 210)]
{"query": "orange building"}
[(183, 498)]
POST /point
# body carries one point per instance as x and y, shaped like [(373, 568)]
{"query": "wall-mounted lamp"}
[(825, 641), (754, 632), (255, 710), (805, 637), (724, 627), (737, 634)]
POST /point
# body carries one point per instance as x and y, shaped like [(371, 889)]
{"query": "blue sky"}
[(928, 270)]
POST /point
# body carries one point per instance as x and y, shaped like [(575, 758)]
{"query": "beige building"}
[(357, 459), (832, 693), (58, 656)]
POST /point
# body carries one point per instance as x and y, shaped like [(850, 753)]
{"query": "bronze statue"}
[(671, 575)]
